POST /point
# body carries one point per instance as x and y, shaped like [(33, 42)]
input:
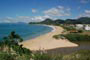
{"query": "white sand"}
[(47, 41)]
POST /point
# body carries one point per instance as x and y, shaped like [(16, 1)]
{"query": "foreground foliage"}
[(7, 56), (11, 50), (80, 55)]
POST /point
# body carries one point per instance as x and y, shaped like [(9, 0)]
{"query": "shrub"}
[(39, 56), (68, 28), (23, 57), (79, 55), (80, 31), (77, 37), (7, 56), (57, 57), (56, 36), (10, 45), (60, 36)]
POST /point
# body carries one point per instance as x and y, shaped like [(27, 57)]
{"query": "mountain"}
[(59, 21), (82, 20), (70, 21), (47, 21)]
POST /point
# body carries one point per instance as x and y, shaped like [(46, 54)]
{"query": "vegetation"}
[(68, 28), (77, 37), (80, 55), (7, 56), (80, 31), (41, 56), (11, 49), (56, 36), (73, 37), (59, 36)]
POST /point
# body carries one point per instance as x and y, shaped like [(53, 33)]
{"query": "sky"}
[(12, 11)]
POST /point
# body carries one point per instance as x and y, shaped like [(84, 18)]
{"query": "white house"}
[(79, 26), (87, 27)]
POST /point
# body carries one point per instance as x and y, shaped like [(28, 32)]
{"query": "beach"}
[(46, 41)]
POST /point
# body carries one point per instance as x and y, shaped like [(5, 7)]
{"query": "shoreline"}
[(46, 41), (51, 26), (53, 29)]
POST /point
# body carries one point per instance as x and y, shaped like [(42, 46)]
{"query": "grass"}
[(77, 37), (80, 55), (86, 33)]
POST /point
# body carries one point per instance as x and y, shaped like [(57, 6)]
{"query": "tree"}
[(11, 49), (15, 37)]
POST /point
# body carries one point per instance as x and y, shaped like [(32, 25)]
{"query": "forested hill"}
[(82, 20)]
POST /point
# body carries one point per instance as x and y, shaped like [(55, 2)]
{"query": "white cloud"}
[(85, 14), (39, 18), (25, 19), (34, 10), (58, 11), (60, 7), (51, 13), (31, 19), (6, 20), (87, 11)]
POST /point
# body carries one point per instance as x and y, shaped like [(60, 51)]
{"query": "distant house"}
[(72, 25), (79, 26), (73, 31), (87, 27)]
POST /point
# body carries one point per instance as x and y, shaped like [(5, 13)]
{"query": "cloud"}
[(50, 13), (25, 19), (85, 14), (39, 18), (87, 11), (58, 11), (6, 20), (84, 1), (34, 10), (60, 7)]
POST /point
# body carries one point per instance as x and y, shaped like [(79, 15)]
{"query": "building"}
[(87, 27), (79, 26)]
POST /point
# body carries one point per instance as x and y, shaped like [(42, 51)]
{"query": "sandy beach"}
[(46, 41)]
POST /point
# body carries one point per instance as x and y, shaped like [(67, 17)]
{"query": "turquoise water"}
[(26, 31)]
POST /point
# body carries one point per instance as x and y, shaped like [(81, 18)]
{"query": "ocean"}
[(26, 31)]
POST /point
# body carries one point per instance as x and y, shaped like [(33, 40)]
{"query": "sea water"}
[(26, 31)]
